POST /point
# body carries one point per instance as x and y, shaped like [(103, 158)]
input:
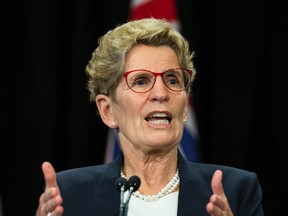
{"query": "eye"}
[(172, 78), (141, 81)]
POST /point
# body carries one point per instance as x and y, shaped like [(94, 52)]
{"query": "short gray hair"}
[(106, 65)]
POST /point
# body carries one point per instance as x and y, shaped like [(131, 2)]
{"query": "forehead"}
[(154, 58)]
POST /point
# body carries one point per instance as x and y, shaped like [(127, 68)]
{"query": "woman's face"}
[(152, 120)]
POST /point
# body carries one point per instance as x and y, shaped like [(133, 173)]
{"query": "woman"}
[(140, 77)]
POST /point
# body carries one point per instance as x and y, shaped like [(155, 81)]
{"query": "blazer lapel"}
[(108, 197), (194, 194)]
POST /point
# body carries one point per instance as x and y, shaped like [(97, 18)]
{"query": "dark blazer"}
[(92, 191)]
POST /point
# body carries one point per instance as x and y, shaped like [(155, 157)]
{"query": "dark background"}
[(240, 93)]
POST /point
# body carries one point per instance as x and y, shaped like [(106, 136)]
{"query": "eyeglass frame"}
[(125, 74)]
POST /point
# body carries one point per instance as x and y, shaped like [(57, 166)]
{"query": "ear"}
[(185, 113), (103, 103)]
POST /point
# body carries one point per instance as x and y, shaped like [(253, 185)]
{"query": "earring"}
[(114, 124)]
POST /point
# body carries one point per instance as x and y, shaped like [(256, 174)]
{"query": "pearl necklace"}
[(169, 188)]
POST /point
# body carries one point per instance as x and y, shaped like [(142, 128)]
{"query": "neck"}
[(155, 168)]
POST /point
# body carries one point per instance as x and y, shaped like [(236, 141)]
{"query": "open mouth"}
[(159, 118)]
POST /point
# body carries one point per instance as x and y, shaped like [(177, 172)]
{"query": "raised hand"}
[(218, 204), (50, 202)]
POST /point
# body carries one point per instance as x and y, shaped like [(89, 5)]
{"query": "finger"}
[(54, 205), (49, 193), (58, 211), (216, 206), (212, 209), (216, 183), (50, 201), (49, 175), (218, 201)]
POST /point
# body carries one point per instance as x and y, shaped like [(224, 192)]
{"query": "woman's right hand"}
[(50, 202)]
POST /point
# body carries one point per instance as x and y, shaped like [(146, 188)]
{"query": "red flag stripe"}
[(154, 8)]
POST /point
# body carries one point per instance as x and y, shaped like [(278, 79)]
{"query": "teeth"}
[(159, 121), (159, 115), (160, 118)]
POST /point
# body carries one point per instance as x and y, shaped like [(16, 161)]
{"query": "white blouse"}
[(167, 206)]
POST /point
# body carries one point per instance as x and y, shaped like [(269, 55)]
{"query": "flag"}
[(155, 8), (189, 145)]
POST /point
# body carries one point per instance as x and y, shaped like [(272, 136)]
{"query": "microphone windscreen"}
[(134, 181), (120, 182)]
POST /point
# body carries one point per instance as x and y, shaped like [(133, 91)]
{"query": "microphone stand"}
[(134, 183), (128, 200), (122, 204), (122, 184)]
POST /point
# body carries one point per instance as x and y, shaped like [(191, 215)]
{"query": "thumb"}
[(216, 183), (49, 175)]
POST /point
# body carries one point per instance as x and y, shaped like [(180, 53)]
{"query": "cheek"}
[(129, 109), (182, 108)]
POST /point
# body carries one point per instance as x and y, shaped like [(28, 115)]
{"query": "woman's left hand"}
[(218, 204)]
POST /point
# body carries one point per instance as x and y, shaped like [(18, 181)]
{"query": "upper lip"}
[(159, 114)]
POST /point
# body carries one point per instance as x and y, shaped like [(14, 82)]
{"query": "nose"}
[(159, 92)]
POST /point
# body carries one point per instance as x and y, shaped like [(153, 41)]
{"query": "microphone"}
[(133, 185), (121, 185)]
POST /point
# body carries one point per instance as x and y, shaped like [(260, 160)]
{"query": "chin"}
[(162, 143)]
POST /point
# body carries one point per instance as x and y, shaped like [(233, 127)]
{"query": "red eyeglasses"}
[(141, 80)]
